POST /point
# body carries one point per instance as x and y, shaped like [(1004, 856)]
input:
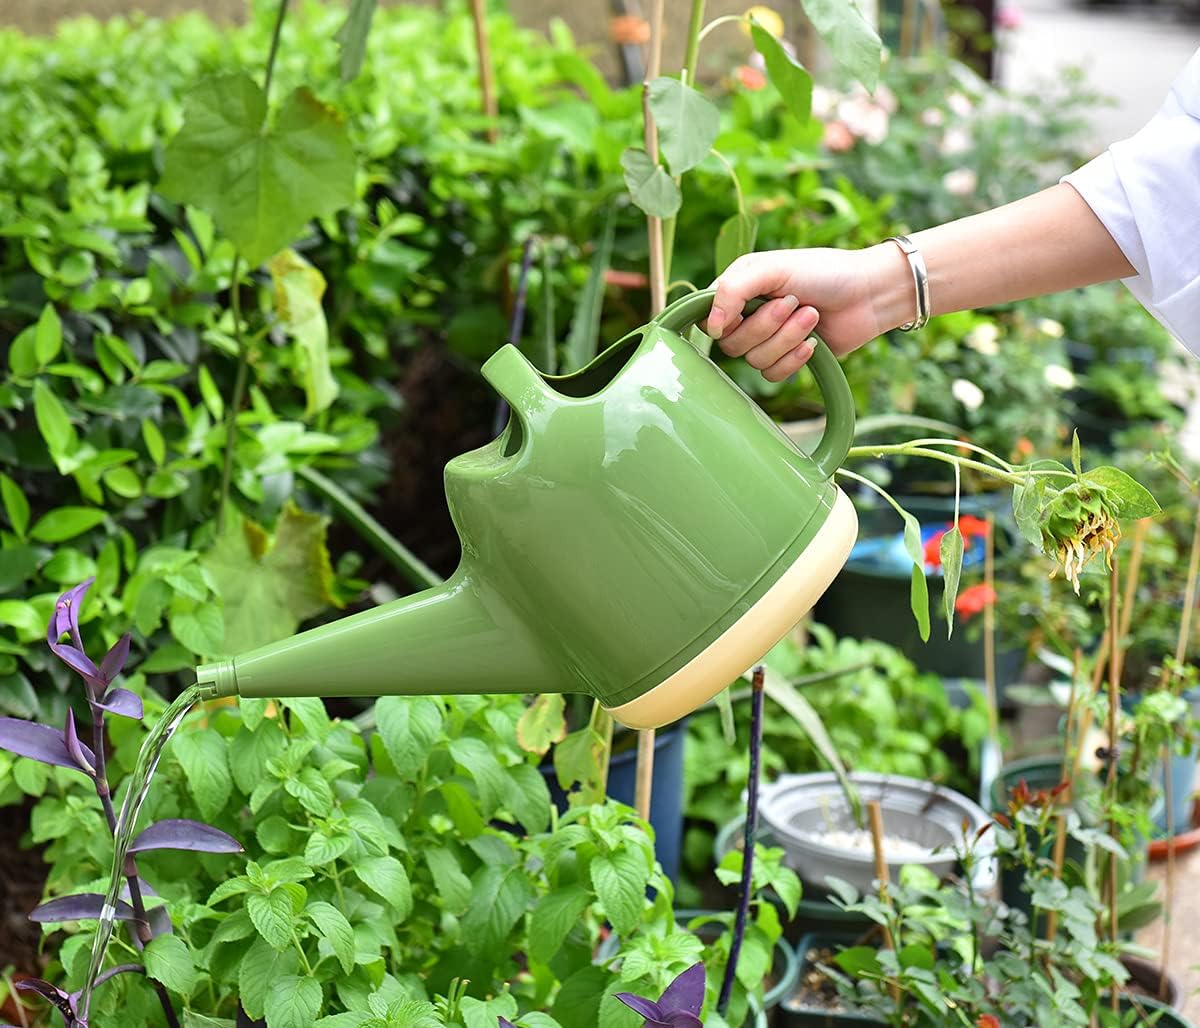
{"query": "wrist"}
[(892, 294)]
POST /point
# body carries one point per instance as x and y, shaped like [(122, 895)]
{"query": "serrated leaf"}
[(653, 191), (168, 960), (620, 880), (542, 723), (336, 930), (529, 799), (452, 885), (952, 560), (313, 792), (203, 756), (688, 122), (386, 877), (498, 900), (249, 752), (293, 1002), (476, 758), (261, 182), (786, 74), (261, 967), (409, 726), (851, 39), (553, 918), (735, 238), (272, 916), (201, 630)]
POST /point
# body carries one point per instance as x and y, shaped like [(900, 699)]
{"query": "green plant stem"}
[(692, 53), (239, 389), (300, 950), (274, 51), (725, 19), (737, 186), (384, 543), (909, 450)]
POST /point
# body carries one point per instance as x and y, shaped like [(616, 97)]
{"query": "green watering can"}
[(640, 532)]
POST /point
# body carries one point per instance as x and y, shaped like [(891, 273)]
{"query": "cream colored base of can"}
[(755, 632)]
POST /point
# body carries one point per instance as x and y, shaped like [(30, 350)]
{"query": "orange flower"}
[(971, 601), (987, 1021), (838, 137), (972, 527), (933, 548), (1024, 446), (629, 28), (751, 78)]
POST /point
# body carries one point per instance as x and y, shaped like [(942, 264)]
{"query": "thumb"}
[(747, 277)]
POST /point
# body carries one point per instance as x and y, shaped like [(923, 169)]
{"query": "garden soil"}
[(22, 875)]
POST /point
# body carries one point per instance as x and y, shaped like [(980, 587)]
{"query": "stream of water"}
[(137, 788)]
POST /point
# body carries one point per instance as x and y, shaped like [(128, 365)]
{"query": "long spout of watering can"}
[(455, 638)]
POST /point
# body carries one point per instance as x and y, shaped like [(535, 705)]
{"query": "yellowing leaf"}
[(298, 288)]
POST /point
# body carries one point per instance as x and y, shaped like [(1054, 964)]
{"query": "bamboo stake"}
[(1131, 584), (645, 773), (1114, 702), (1060, 822), (908, 17), (487, 77), (989, 629), (875, 815)]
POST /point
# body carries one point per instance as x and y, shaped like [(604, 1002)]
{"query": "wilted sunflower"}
[(1078, 524)]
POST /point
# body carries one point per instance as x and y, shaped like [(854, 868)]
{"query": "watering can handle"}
[(835, 443)]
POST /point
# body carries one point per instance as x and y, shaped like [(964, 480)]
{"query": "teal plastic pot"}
[(795, 1014)]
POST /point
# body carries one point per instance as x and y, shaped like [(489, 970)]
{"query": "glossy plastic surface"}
[(627, 516)]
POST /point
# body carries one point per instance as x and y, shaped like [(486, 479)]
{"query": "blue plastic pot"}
[(666, 800)]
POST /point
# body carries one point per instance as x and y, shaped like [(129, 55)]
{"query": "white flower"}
[(1059, 377), (824, 100), (982, 339), (956, 140), (886, 99), (865, 118), (1050, 327), (959, 104), (967, 393), (960, 182), (932, 117)]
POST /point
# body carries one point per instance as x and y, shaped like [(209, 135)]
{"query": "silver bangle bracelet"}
[(920, 281)]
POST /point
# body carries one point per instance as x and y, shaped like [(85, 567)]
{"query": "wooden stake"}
[(1114, 703), (645, 773), (875, 815), (487, 77), (989, 629), (1070, 748)]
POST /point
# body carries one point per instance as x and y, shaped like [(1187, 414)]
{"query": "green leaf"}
[(193, 1020), (786, 75), (202, 754), (261, 182), (529, 801), (476, 758), (15, 505), (1129, 499), (22, 354), (260, 969), (918, 600), (201, 630), (325, 849), (53, 422), (1076, 459), (735, 238), (336, 930), (65, 523), (386, 877), (124, 482), (542, 723), (409, 727), (498, 900), (210, 394), (274, 834), (47, 336), (851, 39), (584, 339), (553, 918), (169, 961), (580, 758), (352, 38), (293, 1002), (620, 882), (452, 885), (272, 915), (297, 291), (859, 960), (269, 589), (249, 752), (687, 122), (313, 792), (153, 438), (652, 189), (952, 560)]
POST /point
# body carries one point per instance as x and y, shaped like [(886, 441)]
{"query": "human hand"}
[(836, 288)]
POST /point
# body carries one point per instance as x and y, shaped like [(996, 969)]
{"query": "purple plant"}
[(679, 1005), (65, 749)]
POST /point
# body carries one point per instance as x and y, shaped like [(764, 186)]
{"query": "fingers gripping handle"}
[(835, 443)]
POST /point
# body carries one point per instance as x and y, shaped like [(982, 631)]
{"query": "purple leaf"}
[(64, 1003), (78, 661), (85, 906), (74, 746), (39, 742), (115, 659), (506, 1023), (686, 992), (159, 920), (144, 886), (182, 834), (647, 1008), (123, 702), (66, 614)]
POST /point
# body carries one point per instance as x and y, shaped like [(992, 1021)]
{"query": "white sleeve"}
[(1146, 192)]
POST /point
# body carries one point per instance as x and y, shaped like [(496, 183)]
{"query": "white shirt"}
[(1146, 192)]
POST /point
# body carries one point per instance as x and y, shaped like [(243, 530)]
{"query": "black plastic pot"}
[(794, 1014)]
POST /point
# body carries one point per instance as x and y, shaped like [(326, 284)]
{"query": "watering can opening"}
[(640, 532)]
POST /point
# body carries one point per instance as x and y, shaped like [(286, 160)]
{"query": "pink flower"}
[(751, 78), (865, 118), (838, 137), (960, 182), (1009, 17), (933, 117)]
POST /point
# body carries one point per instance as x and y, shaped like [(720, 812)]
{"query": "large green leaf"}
[(168, 960), (919, 592), (293, 1002), (735, 238), (789, 77), (553, 918), (298, 288), (65, 523), (272, 916), (651, 188), (585, 327), (332, 924), (620, 882), (261, 182), (687, 122), (386, 877), (1130, 499), (268, 589), (952, 561), (498, 899), (851, 39), (204, 756)]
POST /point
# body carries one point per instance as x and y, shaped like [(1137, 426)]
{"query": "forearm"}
[(1045, 243)]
